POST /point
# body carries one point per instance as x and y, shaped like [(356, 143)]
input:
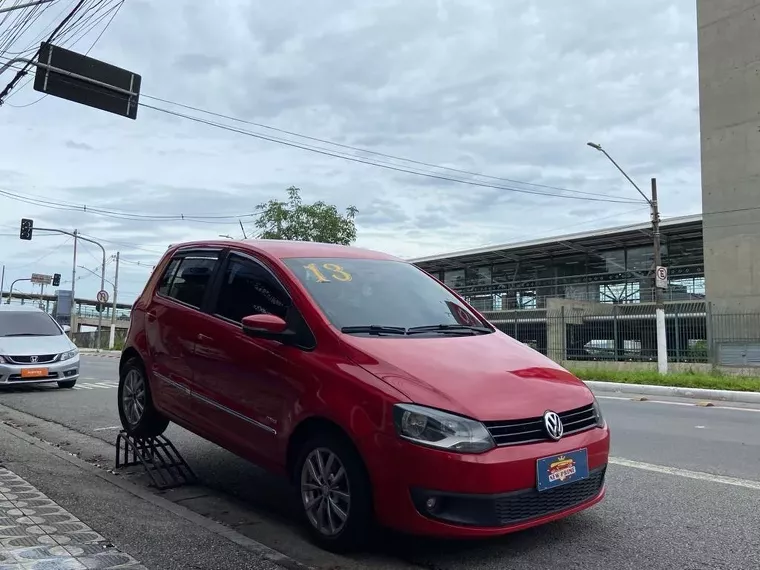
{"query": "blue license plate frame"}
[(561, 469)]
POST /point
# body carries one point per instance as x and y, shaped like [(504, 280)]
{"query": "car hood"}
[(486, 377), (35, 345)]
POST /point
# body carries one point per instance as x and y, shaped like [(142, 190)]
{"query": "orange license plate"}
[(34, 372)]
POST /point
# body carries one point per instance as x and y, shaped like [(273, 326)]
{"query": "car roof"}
[(19, 308), (284, 249)]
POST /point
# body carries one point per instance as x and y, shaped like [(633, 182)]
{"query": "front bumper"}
[(483, 495), (16, 374)]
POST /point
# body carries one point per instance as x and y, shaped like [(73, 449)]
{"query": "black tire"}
[(67, 383), (359, 523), (150, 423)]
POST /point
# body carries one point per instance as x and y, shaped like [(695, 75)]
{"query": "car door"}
[(246, 385), (172, 324)]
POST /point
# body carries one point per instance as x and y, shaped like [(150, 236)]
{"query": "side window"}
[(168, 276), (191, 279), (249, 289)]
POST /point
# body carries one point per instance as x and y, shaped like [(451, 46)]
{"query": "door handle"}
[(150, 315), (202, 337)]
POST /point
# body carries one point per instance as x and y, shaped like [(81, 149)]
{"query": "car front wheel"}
[(334, 493), (138, 415)]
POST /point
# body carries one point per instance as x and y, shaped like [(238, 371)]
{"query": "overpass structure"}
[(85, 309)]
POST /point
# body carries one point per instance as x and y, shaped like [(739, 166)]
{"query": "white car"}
[(34, 349)]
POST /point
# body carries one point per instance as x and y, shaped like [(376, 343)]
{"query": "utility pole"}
[(662, 343), (2, 284), (73, 317), (112, 336), (660, 273)]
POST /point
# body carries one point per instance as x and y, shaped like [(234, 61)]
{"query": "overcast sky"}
[(511, 89)]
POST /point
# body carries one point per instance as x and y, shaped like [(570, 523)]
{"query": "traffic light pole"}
[(76, 237)]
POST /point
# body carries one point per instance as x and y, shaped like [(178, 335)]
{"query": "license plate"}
[(34, 372), (561, 469)]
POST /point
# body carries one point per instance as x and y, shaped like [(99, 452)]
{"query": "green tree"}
[(294, 220)]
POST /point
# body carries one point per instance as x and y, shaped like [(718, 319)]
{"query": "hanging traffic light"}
[(26, 228), (56, 279)]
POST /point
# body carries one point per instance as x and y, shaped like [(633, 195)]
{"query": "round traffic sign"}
[(662, 273), (102, 296)]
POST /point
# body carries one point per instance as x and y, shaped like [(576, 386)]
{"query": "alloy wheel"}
[(133, 397), (325, 492)]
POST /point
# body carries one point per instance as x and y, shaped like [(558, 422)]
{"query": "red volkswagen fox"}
[(378, 391)]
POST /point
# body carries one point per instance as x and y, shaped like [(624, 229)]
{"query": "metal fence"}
[(627, 333)]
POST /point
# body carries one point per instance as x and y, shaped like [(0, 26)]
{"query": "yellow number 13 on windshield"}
[(336, 272)]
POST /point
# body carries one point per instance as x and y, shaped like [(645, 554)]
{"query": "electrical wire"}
[(114, 10), (9, 87), (367, 151), (586, 196), (46, 255)]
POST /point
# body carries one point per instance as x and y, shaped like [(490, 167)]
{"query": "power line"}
[(48, 254), (114, 10), (367, 151), (381, 164), (587, 196), (23, 71)]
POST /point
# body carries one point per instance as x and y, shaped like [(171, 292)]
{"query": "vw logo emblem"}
[(553, 425), (34, 358)]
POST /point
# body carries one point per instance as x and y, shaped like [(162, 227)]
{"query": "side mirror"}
[(270, 327), (66, 328)]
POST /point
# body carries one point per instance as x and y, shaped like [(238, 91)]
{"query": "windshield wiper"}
[(454, 328), (373, 329)]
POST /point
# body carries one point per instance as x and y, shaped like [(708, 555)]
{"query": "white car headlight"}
[(70, 354), (2, 360), (434, 428)]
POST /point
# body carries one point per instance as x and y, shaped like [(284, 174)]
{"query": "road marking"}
[(690, 404), (107, 428), (699, 475), (93, 386)]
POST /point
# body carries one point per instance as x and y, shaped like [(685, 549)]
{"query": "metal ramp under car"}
[(162, 462)]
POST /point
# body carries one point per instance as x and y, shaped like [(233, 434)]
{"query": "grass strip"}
[(716, 381)]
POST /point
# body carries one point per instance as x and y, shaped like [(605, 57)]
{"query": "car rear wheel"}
[(334, 493), (138, 415), (67, 383)]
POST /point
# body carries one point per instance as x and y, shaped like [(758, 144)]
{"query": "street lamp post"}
[(77, 236), (662, 341)]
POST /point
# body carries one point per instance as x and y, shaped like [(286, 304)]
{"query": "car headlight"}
[(598, 413), (70, 354), (2, 360), (434, 428)]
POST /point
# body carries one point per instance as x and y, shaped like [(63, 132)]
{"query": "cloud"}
[(509, 89)]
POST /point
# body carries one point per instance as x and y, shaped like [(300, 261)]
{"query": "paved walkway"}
[(37, 534)]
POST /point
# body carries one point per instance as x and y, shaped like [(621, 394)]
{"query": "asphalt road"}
[(683, 491)]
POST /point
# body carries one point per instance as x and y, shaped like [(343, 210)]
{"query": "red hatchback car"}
[(378, 391)]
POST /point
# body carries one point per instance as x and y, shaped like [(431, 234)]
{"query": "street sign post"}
[(661, 277), (102, 296), (41, 279)]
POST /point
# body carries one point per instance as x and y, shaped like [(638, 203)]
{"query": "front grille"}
[(513, 432), (41, 359), (530, 504), (493, 511)]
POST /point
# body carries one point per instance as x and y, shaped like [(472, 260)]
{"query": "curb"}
[(101, 354), (217, 528), (672, 391)]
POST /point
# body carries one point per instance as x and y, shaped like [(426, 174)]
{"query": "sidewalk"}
[(59, 513)]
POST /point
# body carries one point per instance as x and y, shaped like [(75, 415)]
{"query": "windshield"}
[(380, 293), (27, 323)]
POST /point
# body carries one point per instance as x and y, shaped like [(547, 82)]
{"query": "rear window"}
[(27, 323)]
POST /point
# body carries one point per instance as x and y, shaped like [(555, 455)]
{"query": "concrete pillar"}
[(729, 91)]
